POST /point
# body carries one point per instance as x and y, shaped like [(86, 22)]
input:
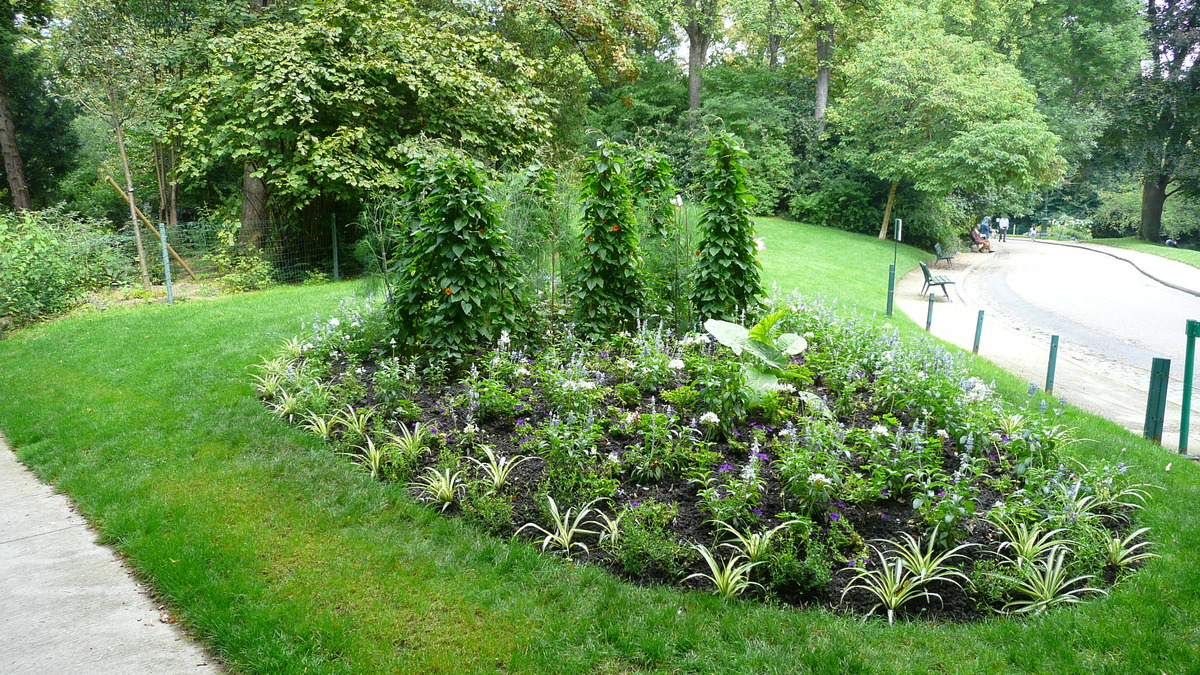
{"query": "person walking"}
[(1002, 224), (985, 227)]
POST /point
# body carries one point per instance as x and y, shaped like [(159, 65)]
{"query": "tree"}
[(942, 112), (318, 101), (17, 18), (1153, 132), (107, 67)]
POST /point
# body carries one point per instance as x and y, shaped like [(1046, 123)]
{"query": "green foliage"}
[(240, 266), (565, 530), (727, 271), (731, 577), (455, 288), (318, 98), (607, 290), (942, 112), (647, 544), (49, 259)]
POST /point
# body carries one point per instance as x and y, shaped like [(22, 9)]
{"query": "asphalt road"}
[(1112, 321)]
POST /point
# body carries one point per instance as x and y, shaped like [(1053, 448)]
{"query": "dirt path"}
[(1112, 319)]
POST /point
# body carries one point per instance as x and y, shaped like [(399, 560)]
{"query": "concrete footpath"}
[(1093, 377), (67, 604)]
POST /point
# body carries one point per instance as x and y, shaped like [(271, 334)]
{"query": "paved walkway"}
[(1117, 317), (67, 604)]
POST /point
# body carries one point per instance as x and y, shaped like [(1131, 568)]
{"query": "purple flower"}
[(860, 373), (518, 407), (520, 422), (941, 493), (763, 456), (840, 505), (757, 511), (884, 516), (883, 492), (850, 563), (834, 515), (992, 457), (634, 505), (726, 467), (526, 439)]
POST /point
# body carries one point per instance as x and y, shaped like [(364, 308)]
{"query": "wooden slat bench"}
[(942, 255), (932, 280)]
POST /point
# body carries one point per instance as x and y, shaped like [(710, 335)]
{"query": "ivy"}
[(608, 287), (455, 285), (727, 272)]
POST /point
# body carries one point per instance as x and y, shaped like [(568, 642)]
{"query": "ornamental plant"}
[(727, 272), (457, 288), (607, 289)]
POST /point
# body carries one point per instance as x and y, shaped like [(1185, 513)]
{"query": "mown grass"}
[(1182, 255), (284, 558)]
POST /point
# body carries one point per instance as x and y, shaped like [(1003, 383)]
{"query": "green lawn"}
[(285, 558), (1171, 253)]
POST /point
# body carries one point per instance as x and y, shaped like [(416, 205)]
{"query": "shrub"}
[(457, 289), (49, 259), (240, 266), (727, 272), (607, 288)]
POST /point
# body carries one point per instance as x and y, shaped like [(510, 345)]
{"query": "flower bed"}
[(811, 459)]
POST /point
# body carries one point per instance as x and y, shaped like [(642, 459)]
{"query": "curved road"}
[(1111, 319)]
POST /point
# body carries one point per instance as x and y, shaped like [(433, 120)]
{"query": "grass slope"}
[(284, 558), (1183, 255)]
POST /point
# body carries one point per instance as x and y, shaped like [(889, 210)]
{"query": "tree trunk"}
[(1154, 195), (119, 127), (774, 40), (887, 210), (14, 168), (699, 40), (824, 56), (254, 207)]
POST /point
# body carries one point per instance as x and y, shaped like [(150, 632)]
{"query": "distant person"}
[(1002, 224), (985, 227), (1170, 242), (984, 245)]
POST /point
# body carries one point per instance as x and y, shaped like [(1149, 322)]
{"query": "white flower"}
[(392, 342), (335, 322), (710, 418), (354, 324), (781, 387), (504, 340), (675, 364), (578, 385), (943, 434), (697, 339), (630, 419), (760, 244), (521, 372), (879, 430), (998, 504), (677, 201), (819, 480)]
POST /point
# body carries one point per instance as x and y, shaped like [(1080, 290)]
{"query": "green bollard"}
[(1156, 402), (1053, 361), (1185, 419), (891, 287), (978, 333), (929, 316), (337, 276)]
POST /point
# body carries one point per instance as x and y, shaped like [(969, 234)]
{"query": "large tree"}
[(17, 19), (942, 112), (317, 101), (1154, 131)]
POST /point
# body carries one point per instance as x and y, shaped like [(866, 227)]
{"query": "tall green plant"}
[(456, 289), (607, 289), (727, 272)]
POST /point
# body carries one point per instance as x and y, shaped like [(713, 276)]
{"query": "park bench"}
[(942, 255), (932, 280)]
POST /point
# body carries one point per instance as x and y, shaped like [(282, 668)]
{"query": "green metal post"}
[(337, 276), (929, 317), (1156, 402), (162, 229), (1193, 332), (1053, 361), (978, 333), (891, 287)]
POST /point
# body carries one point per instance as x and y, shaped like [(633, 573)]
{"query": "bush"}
[(240, 266), (49, 259)]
